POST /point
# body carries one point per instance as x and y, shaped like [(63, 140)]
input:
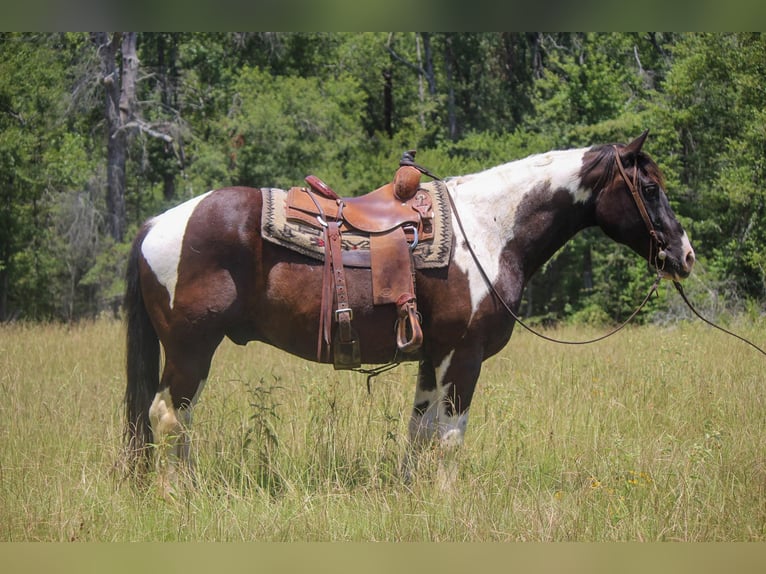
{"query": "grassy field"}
[(656, 434)]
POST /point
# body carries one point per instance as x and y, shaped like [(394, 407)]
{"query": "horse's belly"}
[(289, 314)]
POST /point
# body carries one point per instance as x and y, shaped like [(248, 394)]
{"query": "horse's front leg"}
[(440, 411)]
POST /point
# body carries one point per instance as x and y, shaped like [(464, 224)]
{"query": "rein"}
[(493, 290), (515, 316), (660, 251), (680, 290)]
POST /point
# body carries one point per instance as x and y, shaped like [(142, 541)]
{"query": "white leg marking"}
[(162, 245), (169, 438), (423, 426), (452, 430), (687, 251), (434, 422), (162, 415)]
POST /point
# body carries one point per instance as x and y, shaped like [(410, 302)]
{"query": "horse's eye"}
[(651, 190)]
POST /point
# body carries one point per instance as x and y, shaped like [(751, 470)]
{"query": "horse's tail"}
[(143, 365)]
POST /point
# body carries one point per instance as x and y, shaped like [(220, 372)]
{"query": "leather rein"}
[(654, 240)]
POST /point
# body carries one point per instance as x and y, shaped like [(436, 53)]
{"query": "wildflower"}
[(646, 477)]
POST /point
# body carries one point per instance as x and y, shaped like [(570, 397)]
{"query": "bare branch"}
[(143, 127), (638, 61), (417, 69)]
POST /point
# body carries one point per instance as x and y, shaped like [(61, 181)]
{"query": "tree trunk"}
[(449, 63), (388, 101), (120, 92), (429, 63), (3, 295), (587, 275), (167, 55), (534, 39), (129, 74), (421, 94)]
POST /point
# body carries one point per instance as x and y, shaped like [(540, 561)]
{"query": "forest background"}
[(99, 131)]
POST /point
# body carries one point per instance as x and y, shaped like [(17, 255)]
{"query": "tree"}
[(282, 128), (715, 98), (171, 115), (119, 91), (42, 156), (122, 119)]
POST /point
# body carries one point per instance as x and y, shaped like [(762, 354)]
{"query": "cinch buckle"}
[(344, 310)]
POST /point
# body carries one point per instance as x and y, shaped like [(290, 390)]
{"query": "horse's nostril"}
[(689, 261)]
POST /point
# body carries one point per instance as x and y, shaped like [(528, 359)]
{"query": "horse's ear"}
[(634, 147)]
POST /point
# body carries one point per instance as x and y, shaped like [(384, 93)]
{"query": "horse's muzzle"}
[(682, 267)]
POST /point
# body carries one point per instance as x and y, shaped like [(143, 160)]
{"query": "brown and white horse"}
[(201, 271)]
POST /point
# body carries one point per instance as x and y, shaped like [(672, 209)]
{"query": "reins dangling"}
[(680, 290), (653, 238)]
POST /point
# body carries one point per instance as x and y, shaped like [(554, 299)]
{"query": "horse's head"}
[(633, 209)]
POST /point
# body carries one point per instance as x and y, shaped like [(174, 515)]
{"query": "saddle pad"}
[(308, 240)]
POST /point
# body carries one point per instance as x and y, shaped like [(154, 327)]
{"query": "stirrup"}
[(408, 317)]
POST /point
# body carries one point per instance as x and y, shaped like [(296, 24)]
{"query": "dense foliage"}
[(268, 108)]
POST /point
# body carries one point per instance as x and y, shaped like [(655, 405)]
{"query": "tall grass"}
[(654, 434)]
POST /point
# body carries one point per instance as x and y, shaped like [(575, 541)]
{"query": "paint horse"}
[(202, 271)]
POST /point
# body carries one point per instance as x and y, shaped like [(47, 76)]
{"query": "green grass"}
[(656, 434)]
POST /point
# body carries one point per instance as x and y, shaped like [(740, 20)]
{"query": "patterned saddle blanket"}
[(294, 234)]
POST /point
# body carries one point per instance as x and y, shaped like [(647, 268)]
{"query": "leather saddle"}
[(396, 216)]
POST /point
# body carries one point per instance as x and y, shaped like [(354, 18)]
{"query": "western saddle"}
[(396, 216)]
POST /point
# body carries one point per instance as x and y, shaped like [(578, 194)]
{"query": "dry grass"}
[(655, 434)]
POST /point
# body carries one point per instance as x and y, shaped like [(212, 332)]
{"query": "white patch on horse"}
[(169, 439), (162, 245), (686, 246), (162, 415), (423, 426), (434, 422), (503, 189)]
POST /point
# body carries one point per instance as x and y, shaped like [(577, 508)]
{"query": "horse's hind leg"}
[(169, 434), (170, 415)]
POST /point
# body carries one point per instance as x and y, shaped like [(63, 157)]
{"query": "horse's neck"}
[(529, 208)]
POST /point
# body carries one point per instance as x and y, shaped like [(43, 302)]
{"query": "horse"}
[(202, 271)]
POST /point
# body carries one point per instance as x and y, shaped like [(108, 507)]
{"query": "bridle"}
[(657, 245)]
